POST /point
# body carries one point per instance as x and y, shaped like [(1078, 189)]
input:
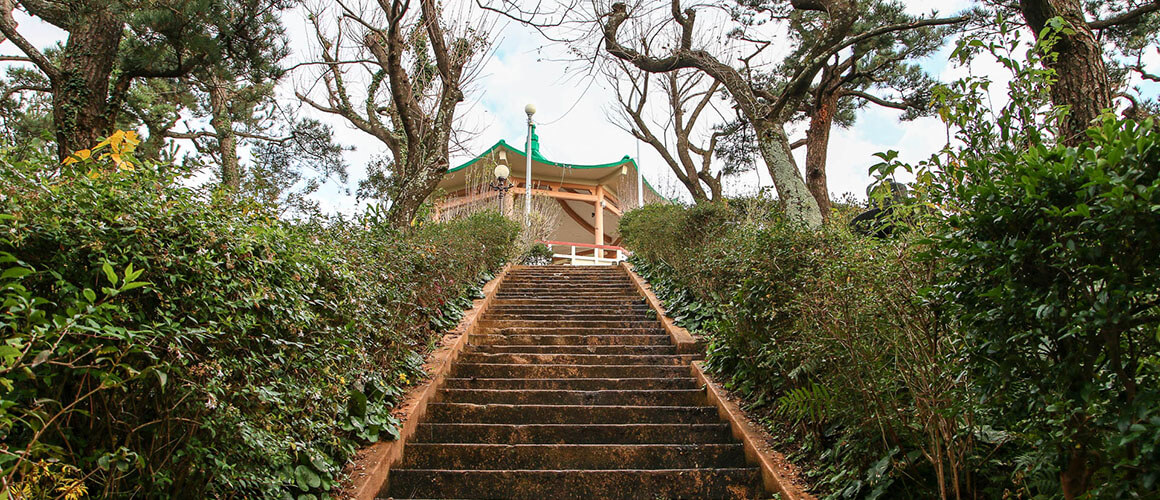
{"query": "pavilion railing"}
[(564, 250)]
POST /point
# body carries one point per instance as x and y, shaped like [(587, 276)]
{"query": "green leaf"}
[(9, 354), (109, 273), (90, 295), (15, 273), (162, 377), (306, 478)]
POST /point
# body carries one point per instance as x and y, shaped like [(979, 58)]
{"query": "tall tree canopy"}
[(112, 44), (766, 103), (879, 71), (1099, 45), (412, 66)]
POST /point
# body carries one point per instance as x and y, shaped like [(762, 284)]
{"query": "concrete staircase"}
[(573, 390)]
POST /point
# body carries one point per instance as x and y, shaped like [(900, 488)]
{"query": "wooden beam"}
[(612, 207), (608, 178), (612, 197), (557, 194), (580, 219), (599, 232), (447, 205)]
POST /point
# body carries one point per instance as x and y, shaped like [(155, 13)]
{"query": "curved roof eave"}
[(541, 159)]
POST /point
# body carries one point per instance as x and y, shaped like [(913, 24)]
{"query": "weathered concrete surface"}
[(578, 484), (685, 341), (573, 387), (755, 439), (372, 465)]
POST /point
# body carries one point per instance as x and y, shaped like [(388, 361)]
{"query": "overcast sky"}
[(572, 116)]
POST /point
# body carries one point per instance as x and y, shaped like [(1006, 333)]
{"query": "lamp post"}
[(530, 109), (501, 183)]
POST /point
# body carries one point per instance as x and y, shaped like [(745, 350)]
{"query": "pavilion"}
[(592, 197)]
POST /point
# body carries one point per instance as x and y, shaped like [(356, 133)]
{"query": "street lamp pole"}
[(530, 110), (501, 183)]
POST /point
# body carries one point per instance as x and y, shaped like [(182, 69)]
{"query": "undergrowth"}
[(164, 341)]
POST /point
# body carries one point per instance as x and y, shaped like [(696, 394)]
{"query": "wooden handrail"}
[(583, 245)]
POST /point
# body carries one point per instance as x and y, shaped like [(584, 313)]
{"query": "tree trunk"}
[(1082, 76), (795, 197), (1076, 477), (220, 93), (817, 146), (80, 108), (419, 182)]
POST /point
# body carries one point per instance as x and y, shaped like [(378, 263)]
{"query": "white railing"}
[(612, 255)]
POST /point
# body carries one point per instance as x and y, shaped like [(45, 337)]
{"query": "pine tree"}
[(878, 71), (114, 43)]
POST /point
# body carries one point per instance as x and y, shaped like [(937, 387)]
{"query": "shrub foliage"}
[(159, 341)]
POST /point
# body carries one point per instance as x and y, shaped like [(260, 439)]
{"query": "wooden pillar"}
[(598, 253), (508, 201)]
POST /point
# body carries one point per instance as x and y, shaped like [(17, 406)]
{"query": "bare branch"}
[(8, 27)]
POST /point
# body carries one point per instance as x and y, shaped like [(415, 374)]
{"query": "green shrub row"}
[(162, 342), (1008, 346), (817, 332)]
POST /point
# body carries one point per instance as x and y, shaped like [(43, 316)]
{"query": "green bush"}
[(538, 255), (160, 341), (823, 336), (1054, 273)]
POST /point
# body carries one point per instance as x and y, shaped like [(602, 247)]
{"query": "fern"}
[(805, 403)]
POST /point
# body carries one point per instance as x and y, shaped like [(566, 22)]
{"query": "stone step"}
[(562, 270), (501, 370), (574, 296), (573, 433), (568, 414), (657, 338), (574, 330), (579, 309), (571, 388), (561, 322), (617, 350), (563, 318), (625, 287), (575, 359), (735, 483), (574, 384), (598, 301), (663, 397), (567, 284), (572, 456)]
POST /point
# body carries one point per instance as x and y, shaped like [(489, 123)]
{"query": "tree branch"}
[(23, 88), (875, 99), (8, 27), (806, 74), (1125, 17)]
